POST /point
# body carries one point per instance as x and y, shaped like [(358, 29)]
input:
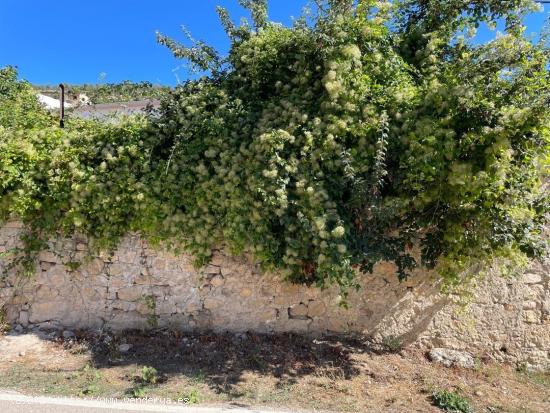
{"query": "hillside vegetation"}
[(109, 92)]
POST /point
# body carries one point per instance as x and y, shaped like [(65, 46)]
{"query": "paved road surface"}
[(16, 403)]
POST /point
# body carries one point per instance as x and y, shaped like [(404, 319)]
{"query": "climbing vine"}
[(364, 130)]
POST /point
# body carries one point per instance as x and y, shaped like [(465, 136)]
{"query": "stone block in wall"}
[(298, 311), (116, 282), (245, 292), (48, 311), (288, 289), (45, 293), (298, 325), (158, 264), (124, 320), (267, 315), (217, 281), (131, 294), (532, 317), (18, 299), (23, 318), (532, 278), (48, 256), (14, 224), (94, 267), (282, 300), (316, 308), (165, 307), (192, 306), (128, 306), (11, 312), (126, 256), (211, 303)]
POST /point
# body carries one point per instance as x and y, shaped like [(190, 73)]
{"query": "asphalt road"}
[(16, 403)]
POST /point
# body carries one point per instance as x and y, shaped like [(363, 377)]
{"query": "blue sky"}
[(84, 41)]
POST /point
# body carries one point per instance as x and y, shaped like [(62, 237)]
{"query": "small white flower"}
[(270, 173), (338, 232), (320, 223), (352, 51)]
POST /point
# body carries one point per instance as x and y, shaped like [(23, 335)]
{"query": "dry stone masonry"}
[(507, 319)]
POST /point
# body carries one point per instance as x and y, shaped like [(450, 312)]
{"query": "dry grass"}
[(284, 371)]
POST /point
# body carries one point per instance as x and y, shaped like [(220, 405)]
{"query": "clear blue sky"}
[(75, 41)]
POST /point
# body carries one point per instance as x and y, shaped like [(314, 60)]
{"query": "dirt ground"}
[(283, 371)]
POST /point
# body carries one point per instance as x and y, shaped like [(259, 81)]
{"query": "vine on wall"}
[(360, 131)]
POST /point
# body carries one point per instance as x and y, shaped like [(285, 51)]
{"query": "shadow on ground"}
[(286, 370), (221, 360)]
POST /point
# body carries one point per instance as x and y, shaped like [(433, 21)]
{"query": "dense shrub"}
[(451, 401), (346, 140), (85, 178), (361, 131)]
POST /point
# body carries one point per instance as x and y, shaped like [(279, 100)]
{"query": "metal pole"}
[(62, 107)]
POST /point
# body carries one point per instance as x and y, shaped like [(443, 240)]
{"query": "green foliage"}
[(151, 305), (4, 325), (193, 397), (327, 146), (85, 178), (137, 392), (19, 108), (92, 377), (450, 401), (149, 375), (357, 135)]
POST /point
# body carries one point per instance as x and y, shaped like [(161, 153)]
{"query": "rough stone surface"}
[(450, 358), (507, 319)]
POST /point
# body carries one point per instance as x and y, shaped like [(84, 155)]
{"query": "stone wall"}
[(142, 288)]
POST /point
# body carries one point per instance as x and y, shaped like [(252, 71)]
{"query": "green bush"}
[(450, 401), (193, 397), (85, 178), (149, 375), (357, 134)]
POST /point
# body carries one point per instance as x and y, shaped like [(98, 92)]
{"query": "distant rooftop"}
[(106, 110), (51, 103)]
